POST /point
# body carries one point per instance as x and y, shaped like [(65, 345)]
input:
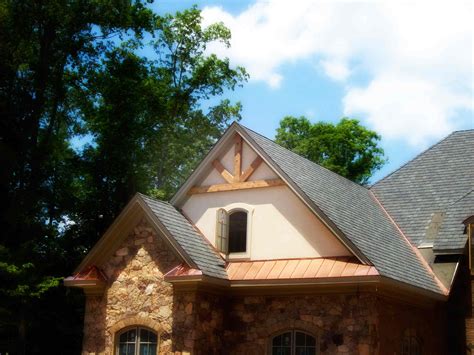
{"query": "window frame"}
[(230, 209), (137, 340), (293, 337), (415, 344)]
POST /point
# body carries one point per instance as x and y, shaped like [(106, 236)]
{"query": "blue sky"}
[(403, 68)]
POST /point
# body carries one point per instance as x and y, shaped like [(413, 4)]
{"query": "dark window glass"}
[(294, 342), (238, 232), (138, 341), (411, 346)]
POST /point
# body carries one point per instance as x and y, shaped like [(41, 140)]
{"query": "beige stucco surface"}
[(280, 224)]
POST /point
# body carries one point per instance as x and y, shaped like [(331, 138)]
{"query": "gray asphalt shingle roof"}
[(411, 196), (433, 182), (451, 235), (208, 261), (356, 213)]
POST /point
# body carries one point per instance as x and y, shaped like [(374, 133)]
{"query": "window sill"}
[(238, 256)]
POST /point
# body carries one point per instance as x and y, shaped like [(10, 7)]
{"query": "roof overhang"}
[(135, 210), (379, 285), (92, 280), (366, 279), (226, 141)]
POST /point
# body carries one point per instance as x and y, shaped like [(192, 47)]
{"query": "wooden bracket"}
[(237, 157), (251, 169), (223, 171), (237, 180), (236, 186)]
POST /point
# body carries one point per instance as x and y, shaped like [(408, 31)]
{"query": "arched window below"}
[(411, 344), (137, 341), (293, 342)]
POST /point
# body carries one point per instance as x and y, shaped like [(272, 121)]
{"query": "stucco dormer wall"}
[(280, 224)]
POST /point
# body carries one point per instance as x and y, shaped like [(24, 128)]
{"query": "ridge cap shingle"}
[(419, 155)]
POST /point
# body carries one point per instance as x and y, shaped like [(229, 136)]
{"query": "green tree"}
[(69, 68), (151, 119), (347, 148)]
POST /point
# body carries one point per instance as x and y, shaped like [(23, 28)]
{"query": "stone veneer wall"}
[(427, 324), (342, 324), (136, 294), (198, 322)]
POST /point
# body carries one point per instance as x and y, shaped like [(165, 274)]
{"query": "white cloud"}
[(336, 70), (417, 56)]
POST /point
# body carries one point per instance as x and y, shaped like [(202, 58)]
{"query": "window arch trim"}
[(293, 347), (128, 323), (138, 340), (230, 209)]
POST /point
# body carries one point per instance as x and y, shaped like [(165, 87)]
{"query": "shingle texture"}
[(208, 261), (355, 211), (437, 181), (451, 234)]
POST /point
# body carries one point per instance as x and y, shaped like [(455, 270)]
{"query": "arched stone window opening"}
[(293, 342), (137, 341)]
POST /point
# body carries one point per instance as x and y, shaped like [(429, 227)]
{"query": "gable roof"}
[(189, 239), (353, 210), (439, 180), (175, 229)]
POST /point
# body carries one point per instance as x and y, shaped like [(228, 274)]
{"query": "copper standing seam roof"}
[(92, 273), (314, 268)]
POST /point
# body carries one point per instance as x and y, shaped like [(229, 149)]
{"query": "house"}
[(264, 252)]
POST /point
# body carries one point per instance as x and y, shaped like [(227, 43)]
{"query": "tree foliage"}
[(347, 148), (72, 70)]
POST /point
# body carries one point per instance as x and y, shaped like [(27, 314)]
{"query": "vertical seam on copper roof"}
[(283, 268), (332, 267), (302, 274), (243, 276), (344, 269), (260, 268), (319, 267)]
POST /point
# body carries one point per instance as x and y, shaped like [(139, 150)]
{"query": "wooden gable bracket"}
[(237, 180)]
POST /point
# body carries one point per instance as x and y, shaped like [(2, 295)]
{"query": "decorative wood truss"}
[(239, 179)]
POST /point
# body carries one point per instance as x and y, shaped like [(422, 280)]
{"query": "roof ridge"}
[(463, 130), (308, 160), (157, 200), (414, 158)]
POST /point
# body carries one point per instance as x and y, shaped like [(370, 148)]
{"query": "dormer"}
[(248, 212)]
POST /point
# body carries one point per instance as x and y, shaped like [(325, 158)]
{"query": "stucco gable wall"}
[(136, 293), (278, 217)]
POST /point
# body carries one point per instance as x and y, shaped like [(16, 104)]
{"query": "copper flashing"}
[(313, 268), (91, 280)]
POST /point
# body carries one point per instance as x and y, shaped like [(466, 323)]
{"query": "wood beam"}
[(251, 169), (223, 171), (237, 158), (236, 186)]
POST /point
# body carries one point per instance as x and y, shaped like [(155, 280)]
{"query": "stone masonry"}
[(136, 294), (203, 322)]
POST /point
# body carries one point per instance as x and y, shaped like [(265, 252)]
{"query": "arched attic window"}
[(231, 231)]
